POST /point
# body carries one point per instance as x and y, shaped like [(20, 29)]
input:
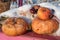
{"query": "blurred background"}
[(11, 4)]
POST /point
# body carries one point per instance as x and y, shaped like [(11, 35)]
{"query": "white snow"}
[(12, 13), (24, 8)]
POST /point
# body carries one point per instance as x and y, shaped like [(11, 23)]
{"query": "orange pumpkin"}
[(44, 27), (44, 13), (13, 27)]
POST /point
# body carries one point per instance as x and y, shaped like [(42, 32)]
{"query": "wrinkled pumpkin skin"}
[(44, 13), (14, 27), (44, 27)]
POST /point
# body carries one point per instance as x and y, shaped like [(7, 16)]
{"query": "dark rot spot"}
[(50, 16), (33, 16), (44, 10), (37, 29), (34, 9), (53, 11)]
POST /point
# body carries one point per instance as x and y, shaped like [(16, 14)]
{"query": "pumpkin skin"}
[(14, 27), (44, 27), (44, 13)]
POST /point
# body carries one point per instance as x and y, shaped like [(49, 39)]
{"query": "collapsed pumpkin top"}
[(44, 13), (14, 26)]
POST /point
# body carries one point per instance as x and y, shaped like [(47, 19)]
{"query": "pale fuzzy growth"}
[(26, 10)]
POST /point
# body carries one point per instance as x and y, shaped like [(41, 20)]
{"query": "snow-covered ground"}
[(12, 13)]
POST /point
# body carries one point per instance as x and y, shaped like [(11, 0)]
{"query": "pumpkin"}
[(44, 26), (44, 13), (14, 26)]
